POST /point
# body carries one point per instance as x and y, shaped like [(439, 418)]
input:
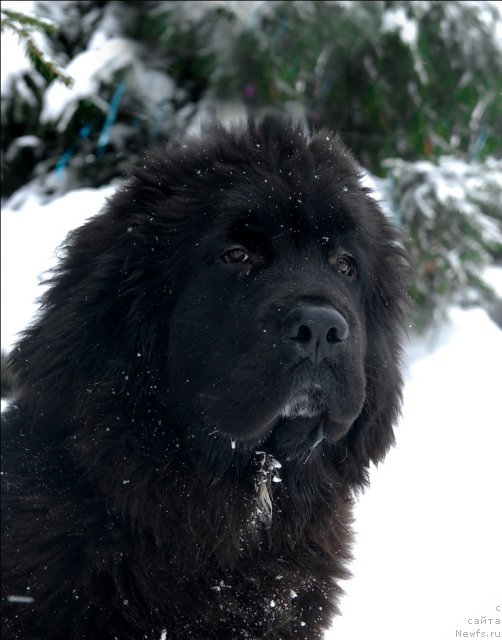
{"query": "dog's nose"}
[(315, 331)]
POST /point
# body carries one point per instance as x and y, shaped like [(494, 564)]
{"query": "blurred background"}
[(415, 89)]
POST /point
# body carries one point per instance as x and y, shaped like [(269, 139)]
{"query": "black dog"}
[(216, 364)]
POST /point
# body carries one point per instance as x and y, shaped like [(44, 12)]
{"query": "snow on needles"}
[(87, 69)]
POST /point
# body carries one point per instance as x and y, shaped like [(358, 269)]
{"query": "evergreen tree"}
[(24, 26), (385, 74), (410, 80), (451, 213)]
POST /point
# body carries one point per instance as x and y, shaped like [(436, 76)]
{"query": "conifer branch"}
[(24, 26)]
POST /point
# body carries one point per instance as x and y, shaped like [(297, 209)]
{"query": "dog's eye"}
[(236, 255), (345, 265)]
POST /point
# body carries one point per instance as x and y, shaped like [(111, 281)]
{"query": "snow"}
[(30, 237), (493, 278), (14, 61), (452, 211), (428, 555), (88, 69), (397, 20)]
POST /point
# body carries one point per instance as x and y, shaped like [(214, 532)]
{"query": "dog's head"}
[(246, 287)]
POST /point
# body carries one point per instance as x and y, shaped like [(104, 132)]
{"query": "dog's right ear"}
[(106, 299)]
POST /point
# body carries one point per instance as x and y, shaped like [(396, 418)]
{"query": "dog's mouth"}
[(304, 426), (307, 423), (310, 402), (297, 438), (310, 417)]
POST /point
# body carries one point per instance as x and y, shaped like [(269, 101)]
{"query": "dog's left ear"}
[(372, 434), (387, 307)]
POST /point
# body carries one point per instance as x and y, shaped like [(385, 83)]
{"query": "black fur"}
[(158, 388)]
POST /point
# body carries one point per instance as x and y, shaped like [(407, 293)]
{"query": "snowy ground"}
[(428, 559), (428, 556)]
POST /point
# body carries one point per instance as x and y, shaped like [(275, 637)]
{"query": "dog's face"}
[(268, 336), (268, 333), (262, 288)]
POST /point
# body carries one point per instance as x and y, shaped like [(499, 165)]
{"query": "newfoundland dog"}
[(215, 365)]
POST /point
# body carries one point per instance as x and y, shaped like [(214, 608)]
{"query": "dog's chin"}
[(297, 430), (302, 438), (306, 423), (310, 402)]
